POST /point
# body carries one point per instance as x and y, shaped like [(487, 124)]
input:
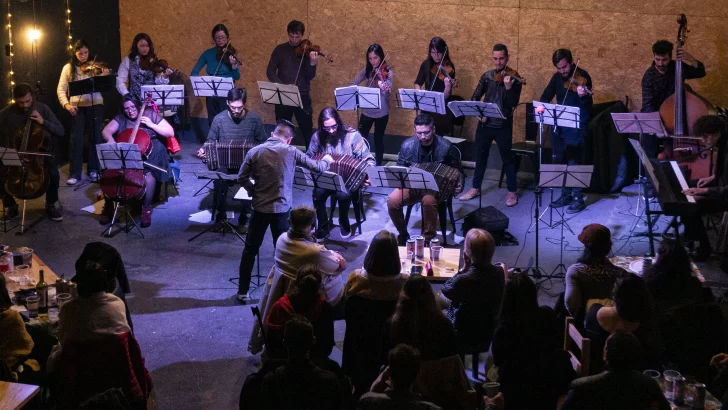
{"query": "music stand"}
[(324, 180), (120, 157), (421, 100), (91, 85), (355, 97), (211, 86), (645, 162), (639, 123), (222, 223), (280, 94), (167, 95)]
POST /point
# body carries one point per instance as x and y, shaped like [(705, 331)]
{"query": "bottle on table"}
[(42, 290)]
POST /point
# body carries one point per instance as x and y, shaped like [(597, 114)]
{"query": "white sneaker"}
[(72, 181), (244, 297)]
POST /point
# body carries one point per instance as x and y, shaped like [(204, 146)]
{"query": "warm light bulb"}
[(10, 15), (68, 21), (69, 37), (12, 83), (12, 101), (34, 34), (68, 10), (12, 72)]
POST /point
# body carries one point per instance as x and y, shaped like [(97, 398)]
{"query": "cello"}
[(29, 181), (679, 112), (127, 184)]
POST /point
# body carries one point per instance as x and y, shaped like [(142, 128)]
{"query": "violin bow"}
[(439, 67), (571, 80), (377, 70), (221, 57)]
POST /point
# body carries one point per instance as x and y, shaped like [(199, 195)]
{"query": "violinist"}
[(135, 75), (376, 74), (87, 112), (287, 67), (157, 127), (658, 83), (501, 86), (437, 73), (571, 85), (13, 120), (226, 65)]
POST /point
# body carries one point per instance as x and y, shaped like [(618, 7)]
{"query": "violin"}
[(446, 70), (509, 72), (383, 71), (577, 80), (306, 46), (150, 62), (224, 54), (93, 68)]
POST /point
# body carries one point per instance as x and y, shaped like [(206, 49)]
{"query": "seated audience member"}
[(109, 259), (593, 276), (419, 322), (294, 249), (475, 292), (299, 384), (15, 343), (670, 278), (533, 369), (371, 296), (97, 349), (303, 298), (632, 313), (620, 386)]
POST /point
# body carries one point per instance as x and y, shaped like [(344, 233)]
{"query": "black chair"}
[(527, 148), (357, 202)]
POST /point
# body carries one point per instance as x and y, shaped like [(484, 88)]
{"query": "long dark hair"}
[(520, 300), (341, 130), (133, 52), (439, 44), (382, 258), (77, 45), (672, 269), (417, 318), (305, 290), (379, 51), (220, 27)]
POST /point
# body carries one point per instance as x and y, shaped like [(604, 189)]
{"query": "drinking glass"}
[(31, 303)]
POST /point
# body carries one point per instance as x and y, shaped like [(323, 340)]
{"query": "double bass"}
[(679, 112), (128, 184), (29, 181)]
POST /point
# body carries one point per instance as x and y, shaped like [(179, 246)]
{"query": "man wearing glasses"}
[(234, 124)]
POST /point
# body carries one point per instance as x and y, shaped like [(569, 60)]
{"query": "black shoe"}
[(53, 213), (11, 212), (562, 201), (701, 254), (345, 232), (402, 239), (576, 206), (321, 234)]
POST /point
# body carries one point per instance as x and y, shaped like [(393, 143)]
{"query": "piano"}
[(669, 183)]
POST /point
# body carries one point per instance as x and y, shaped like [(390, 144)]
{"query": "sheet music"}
[(430, 101)]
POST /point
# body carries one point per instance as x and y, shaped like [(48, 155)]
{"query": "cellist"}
[(157, 127), (13, 120)]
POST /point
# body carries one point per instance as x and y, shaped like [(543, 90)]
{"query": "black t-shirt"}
[(425, 77)]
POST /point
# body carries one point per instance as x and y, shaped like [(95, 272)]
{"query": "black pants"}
[(259, 222), (220, 191), (694, 226), (86, 118), (51, 194), (320, 196), (303, 117), (380, 125), (503, 137), (215, 105), (567, 146)]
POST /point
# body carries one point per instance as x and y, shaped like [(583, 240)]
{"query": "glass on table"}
[(31, 303), (62, 299), (27, 254), (653, 374), (670, 376)]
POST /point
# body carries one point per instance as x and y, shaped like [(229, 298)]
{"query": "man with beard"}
[(234, 124), (567, 143), (13, 120)]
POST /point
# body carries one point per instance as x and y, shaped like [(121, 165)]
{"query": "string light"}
[(10, 53), (68, 24)]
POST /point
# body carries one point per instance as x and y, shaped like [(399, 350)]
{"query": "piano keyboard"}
[(681, 180)]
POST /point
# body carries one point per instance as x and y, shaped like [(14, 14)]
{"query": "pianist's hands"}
[(696, 191), (706, 181)]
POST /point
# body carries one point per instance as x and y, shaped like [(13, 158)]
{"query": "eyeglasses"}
[(330, 127), (130, 109)]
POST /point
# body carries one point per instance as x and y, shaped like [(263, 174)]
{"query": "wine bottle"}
[(42, 290)]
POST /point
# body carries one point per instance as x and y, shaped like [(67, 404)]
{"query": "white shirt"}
[(85, 100)]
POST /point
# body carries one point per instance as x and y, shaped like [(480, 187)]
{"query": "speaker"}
[(492, 220)]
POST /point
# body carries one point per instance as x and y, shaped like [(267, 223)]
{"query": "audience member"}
[(303, 298), (475, 292), (296, 248), (371, 296), (419, 322), (593, 276), (533, 369), (15, 343), (395, 389), (621, 386), (299, 384), (670, 278), (632, 313)]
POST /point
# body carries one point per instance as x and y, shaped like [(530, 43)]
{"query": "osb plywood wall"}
[(612, 38)]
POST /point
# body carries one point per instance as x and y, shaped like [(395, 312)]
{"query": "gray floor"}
[(192, 331)]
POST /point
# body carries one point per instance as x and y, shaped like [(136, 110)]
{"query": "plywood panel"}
[(705, 8)]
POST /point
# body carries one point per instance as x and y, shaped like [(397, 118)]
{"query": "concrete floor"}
[(192, 331)]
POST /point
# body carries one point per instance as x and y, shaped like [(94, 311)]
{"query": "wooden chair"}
[(573, 337)]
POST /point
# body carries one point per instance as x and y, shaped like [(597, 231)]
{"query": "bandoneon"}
[(226, 154), (447, 178), (353, 171)]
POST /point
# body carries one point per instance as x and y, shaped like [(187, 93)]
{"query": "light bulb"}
[(34, 34)]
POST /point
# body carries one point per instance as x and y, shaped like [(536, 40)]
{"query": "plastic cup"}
[(670, 376), (653, 374), (4, 265), (61, 299), (31, 303), (491, 389), (27, 256), (435, 253)]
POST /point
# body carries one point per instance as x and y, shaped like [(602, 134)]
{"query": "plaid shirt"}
[(656, 87)]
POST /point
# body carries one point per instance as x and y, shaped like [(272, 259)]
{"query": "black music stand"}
[(120, 157), (421, 100), (91, 85), (11, 158), (167, 95), (324, 180), (222, 223), (280, 94)]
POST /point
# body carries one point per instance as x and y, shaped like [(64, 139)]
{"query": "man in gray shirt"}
[(267, 175), (234, 124)]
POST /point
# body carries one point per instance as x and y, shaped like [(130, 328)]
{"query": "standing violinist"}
[(87, 112), (567, 143), (218, 66), (499, 86), (430, 79), (13, 119), (376, 74), (157, 127), (288, 65), (135, 72), (658, 84)]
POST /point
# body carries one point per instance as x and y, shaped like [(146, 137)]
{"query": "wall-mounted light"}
[(34, 34)]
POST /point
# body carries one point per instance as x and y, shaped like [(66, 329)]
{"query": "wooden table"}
[(449, 258), (48, 275), (14, 396)]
